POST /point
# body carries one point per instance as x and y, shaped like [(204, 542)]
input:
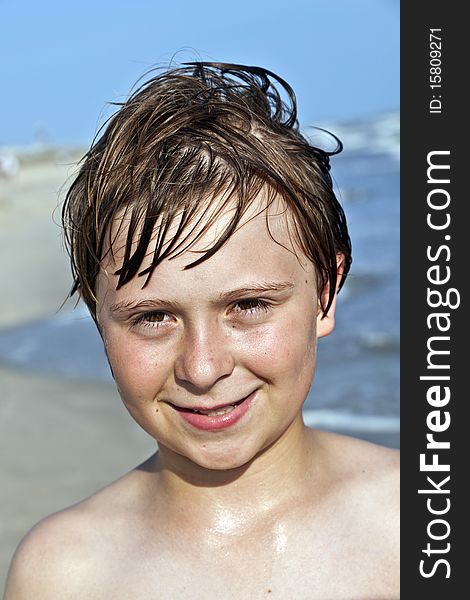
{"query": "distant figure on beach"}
[(208, 244), (9, 165)]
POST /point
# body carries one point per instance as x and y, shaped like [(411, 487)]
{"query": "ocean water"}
[(358, 369), (356, 387)]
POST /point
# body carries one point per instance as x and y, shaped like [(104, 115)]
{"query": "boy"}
[(207, 242)]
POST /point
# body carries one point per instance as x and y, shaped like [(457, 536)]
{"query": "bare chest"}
[(305, 568)]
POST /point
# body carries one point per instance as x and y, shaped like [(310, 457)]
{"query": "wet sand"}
[(60, 440)]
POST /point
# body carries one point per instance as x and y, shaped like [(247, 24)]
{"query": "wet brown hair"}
[(187, 135)]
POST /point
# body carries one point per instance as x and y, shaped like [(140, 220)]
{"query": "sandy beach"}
[(60, 440)]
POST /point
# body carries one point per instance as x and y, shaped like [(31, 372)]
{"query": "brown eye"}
[(251, 306), (150, 319), (155, 317)]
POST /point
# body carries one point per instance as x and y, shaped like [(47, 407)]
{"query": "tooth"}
[(215, 413), (221, 411)]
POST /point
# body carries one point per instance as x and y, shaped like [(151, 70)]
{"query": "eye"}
[(151, 319), (251, 306)]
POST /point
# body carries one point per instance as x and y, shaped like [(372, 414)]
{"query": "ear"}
[(326, 324)]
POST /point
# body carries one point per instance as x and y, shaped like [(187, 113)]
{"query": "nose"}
[(205, 357)]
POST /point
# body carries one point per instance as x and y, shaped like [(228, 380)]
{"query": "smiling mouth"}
[(216, 412)]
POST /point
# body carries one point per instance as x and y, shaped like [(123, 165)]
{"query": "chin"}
[(218, 463), (221, 457)]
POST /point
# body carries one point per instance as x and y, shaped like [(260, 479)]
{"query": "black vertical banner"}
[(435, 234)]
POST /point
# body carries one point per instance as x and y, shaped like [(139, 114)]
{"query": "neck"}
[(277, 475)]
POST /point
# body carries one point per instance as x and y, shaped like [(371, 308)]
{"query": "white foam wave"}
[(379, 133), (336, 419)]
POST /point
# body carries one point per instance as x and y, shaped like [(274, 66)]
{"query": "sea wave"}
[(378, 134), (337, 419)]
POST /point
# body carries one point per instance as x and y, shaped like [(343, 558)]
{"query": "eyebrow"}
[(273, 287), (260, 288)]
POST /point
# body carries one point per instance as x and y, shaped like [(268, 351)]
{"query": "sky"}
[(62, 62)]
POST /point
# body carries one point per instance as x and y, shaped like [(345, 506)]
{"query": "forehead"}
[(260, 248)]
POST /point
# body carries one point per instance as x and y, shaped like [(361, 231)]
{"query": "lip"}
[(216, 422)]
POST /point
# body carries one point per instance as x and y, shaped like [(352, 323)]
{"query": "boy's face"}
[(238, 329)]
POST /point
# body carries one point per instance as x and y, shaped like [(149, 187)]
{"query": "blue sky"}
[(61, 62)]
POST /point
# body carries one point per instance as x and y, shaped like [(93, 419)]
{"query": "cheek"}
[(284, 351), (138, 368)]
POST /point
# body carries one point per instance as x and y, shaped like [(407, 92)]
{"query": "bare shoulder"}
[(364, 497), (374, 474), (356, 459), (66, 552), (45, 561), (368, 476)]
